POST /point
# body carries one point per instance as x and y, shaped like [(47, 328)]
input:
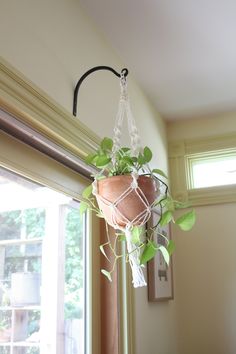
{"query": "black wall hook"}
[(90, 71)]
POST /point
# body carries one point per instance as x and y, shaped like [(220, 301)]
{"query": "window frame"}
[(16, 156), (207, 156), (183, 153)]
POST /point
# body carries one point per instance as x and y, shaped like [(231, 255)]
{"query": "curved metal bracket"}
[(90, 71)]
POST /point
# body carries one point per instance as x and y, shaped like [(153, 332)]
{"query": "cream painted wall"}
[(202, 127), (53, 42), (205, 263)]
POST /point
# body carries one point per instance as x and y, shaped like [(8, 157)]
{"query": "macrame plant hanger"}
[(117, 217)]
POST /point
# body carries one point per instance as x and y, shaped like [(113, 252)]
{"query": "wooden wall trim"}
[(33, 107)]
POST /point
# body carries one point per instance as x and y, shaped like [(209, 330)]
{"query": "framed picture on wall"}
[(160, 275)]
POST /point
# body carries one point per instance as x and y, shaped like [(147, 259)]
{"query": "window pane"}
[(74, 282), (214, 172), (41, 269)]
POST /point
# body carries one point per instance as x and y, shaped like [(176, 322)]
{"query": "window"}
[(41, 269), (203, 171), (209, 170), (42, 244)]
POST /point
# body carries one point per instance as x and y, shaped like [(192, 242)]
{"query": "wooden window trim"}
[(180, 155)]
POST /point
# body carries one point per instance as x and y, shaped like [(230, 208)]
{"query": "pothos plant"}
[(123, 163)]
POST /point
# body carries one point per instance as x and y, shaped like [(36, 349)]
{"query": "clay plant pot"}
[(111, 188)]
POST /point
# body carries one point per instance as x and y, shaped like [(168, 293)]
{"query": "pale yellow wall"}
[(53, 42), (203, 127), (205, 263)]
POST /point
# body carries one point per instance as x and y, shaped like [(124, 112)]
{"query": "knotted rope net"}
[(118, 220)]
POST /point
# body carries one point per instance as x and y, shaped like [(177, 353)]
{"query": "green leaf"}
[(136, 233), (147, 154), (149, 252), (90, 158), (169, 204), (128, 160), (166, 218), (87, 192), (165, 254), (103, 252), (181, 205), (102, 160), (186, 221), (159, 172), (170, 247), (124, 150), (157, 202), (107, 144), (122, 237), (83, 207), (98, 178), (141, 159), (107, 274)]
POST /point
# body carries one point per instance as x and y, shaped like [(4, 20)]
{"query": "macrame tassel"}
[(137, 271)]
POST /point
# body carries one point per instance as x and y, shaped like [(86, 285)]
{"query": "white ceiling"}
[(182, 52)]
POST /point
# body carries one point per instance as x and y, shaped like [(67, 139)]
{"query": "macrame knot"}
[(123, 92), (112, 207), (134, 184), (95, 187), (124, 96), (128, 226)]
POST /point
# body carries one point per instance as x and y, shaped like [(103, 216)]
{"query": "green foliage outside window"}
[(73, 265), (33, 220)]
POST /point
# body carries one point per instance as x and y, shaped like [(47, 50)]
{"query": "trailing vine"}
[(122, 162)]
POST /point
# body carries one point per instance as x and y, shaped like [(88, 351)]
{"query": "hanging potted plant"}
[(125, 191)]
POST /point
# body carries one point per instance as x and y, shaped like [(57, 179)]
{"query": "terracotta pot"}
[(131, 206)]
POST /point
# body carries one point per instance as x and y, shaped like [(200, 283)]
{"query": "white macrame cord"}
[(124, 110), (117, 217)]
